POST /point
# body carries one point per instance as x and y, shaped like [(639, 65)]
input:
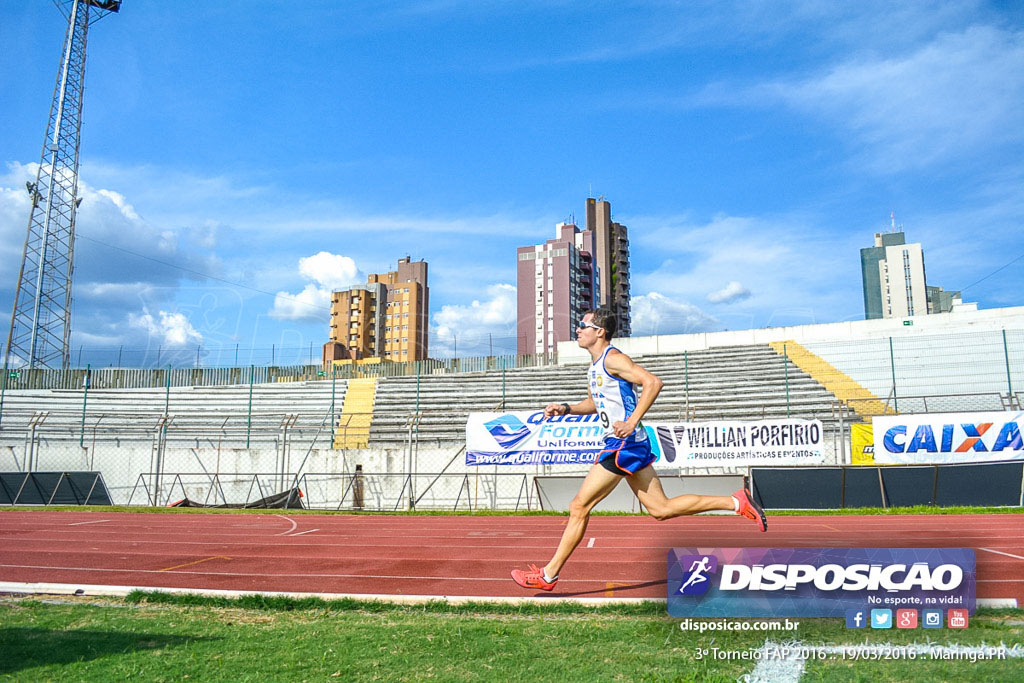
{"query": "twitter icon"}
[(881, 618)]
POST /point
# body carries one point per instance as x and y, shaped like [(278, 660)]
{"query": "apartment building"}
[(388, 317), (555, 286)]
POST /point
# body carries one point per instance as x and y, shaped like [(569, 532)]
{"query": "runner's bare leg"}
[(647, 487), (598, 484)]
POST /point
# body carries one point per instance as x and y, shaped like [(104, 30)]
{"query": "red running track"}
[(620, 557)]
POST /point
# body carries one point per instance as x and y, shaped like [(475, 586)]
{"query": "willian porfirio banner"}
[(728, 443), (528, 438), (948, 437), (817, 582)]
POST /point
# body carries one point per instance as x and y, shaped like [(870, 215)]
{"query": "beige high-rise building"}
[(611, 259), (386, 318)]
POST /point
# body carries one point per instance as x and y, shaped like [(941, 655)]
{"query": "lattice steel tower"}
[(41, 321)]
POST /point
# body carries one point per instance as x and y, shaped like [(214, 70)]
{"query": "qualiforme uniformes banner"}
[(527, 438)]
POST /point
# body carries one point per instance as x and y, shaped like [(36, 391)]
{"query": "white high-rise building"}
[(895, 285)]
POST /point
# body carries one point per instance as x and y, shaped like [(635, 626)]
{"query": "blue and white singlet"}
[(614, 399)]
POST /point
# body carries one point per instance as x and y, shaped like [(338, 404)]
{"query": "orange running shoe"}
[(534, 578), (750, 509)]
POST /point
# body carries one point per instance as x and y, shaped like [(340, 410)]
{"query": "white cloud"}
[(312, 303), (475, 328), (172, 329), (779, 261), (956, 95), (655, 313), (119, 201), (329, 273), (733, 291)]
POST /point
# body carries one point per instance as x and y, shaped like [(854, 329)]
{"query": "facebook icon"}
[(856, 618)]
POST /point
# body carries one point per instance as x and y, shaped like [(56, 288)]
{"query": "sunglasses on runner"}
[(584, 325)]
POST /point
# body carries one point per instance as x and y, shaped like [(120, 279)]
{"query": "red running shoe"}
[(750, 509), (534, 578)]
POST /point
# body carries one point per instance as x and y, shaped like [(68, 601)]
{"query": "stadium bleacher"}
[(742, 382)]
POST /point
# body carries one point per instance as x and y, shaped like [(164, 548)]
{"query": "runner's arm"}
[(584, 407)]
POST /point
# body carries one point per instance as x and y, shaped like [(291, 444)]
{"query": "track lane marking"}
[(300, 533), (189, 564), (295, 525), (590, 544), (791, 668), (998, 552), (94, 521), (609, 584)]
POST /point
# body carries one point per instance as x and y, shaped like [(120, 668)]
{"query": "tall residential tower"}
[(556, 284), (611, 258), (558, 281)]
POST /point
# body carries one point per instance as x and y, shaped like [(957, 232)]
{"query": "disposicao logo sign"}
[(816, 582)]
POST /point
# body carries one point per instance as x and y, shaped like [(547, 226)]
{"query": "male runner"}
[(627, 452)]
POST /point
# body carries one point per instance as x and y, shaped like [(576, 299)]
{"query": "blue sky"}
[(240, 159)]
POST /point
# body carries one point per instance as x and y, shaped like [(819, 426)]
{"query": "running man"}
[(627, 451)]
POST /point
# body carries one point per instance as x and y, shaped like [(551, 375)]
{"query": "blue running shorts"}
[(625, 456)]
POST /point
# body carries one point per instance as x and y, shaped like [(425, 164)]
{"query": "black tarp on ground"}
[(291, 499)]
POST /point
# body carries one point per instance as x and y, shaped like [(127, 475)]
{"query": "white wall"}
[(939, 323)]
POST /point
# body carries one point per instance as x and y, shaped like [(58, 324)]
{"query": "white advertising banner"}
[(527, 438), (948, 437), (724, 443)]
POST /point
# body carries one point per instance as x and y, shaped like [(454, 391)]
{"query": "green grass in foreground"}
[(158, 638)]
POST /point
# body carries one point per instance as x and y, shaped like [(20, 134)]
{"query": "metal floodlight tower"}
[(41, 321)]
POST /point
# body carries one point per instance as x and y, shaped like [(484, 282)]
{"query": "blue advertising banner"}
[(528, 438), (817, 582)]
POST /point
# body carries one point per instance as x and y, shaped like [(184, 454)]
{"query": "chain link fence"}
[(229, 435)]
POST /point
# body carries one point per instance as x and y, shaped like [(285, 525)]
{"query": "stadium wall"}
[(967, 351), (957, 322)]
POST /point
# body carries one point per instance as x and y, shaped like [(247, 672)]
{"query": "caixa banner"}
[(816, 582), (948, 437)]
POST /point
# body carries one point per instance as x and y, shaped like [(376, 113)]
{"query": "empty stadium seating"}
[(741, 382)]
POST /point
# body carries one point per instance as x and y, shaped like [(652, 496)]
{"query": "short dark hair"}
[(604, 318)]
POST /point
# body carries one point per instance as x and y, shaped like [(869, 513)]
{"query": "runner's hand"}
[(622, 429), (553, 410)]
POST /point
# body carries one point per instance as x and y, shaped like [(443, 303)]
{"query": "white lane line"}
[(999, 552), (86, 589), (776, 663), (293, 522), (590, 544), (277, 575), (93, 521), (784, 662), (300, 533)]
